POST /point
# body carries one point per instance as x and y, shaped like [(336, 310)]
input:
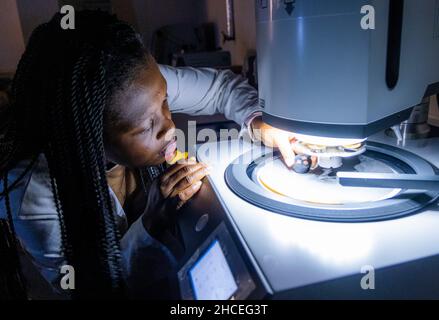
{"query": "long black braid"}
[(61, 98)]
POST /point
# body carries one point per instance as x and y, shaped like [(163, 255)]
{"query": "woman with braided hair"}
[(90, 113)]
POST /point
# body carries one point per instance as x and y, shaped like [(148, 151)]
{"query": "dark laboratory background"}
[(198, 33)]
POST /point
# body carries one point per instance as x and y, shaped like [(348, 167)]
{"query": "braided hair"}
[(61, 106)]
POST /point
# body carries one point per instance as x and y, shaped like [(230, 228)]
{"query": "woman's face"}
[(147, 136)]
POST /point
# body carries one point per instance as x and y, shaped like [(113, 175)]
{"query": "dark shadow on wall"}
[(146, 16), (33, 13), (151, 15)]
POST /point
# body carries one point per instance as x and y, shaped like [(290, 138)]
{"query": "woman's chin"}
[(160, 160), (156, 161), (147, 163)]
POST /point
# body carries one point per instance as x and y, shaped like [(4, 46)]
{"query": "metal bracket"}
[(388, 181)]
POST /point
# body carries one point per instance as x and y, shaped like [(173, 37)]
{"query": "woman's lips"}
[(169, 151)]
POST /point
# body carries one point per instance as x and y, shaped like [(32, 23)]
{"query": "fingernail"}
[(197, 185), (290, 162)]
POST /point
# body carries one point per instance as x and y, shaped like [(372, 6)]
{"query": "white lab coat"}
[(191, 91)]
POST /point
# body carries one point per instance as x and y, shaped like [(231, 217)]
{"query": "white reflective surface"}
[(292, 252), (276, 177)]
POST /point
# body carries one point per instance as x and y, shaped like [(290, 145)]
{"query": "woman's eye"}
[(146, 131), (149, 128)]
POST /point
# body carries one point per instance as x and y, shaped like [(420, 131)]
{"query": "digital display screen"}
[(211, 276)]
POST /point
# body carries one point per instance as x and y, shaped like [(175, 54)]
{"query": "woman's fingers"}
[(190, 180), (185, 176), (314, 161), (284, 145), (188, 193), (300, 150), (176, 167)]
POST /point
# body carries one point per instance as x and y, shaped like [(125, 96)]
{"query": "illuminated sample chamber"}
[(334, 84), (267, 183), (330, 152), (319, 188)]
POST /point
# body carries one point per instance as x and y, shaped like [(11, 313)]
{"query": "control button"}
[(202, 223)]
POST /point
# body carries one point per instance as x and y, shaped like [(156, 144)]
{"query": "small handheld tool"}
[(178, 157), (302, 164)]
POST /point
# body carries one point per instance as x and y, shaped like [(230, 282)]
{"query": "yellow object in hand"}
[(178, 157)]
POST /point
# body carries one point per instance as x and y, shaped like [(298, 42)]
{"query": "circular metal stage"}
[(267, 183)]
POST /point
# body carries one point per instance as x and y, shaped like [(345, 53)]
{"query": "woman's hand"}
[(169, 193), (276, 138), (183, 180)]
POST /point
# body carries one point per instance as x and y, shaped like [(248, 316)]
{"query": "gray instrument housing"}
[(320, 73)]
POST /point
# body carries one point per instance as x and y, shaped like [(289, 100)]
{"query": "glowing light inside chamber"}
[(325, 141)]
